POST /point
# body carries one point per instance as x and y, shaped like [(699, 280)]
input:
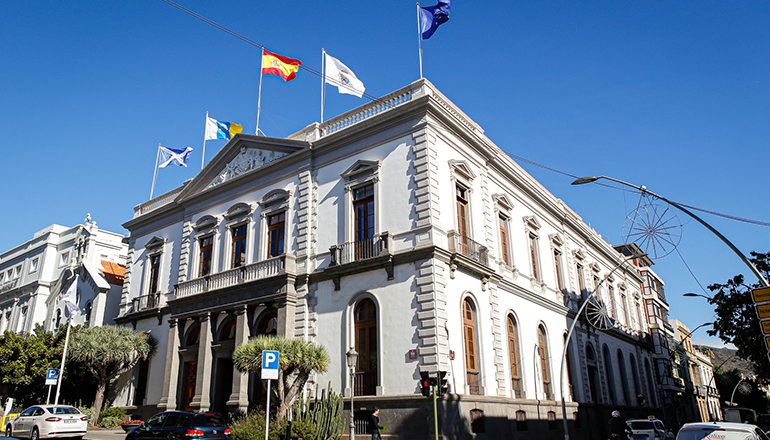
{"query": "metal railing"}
[(145, 302), (463, 245), (360, 250), (233, 277)]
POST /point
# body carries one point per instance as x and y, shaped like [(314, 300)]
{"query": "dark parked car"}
[(181, 425), (763, 421)]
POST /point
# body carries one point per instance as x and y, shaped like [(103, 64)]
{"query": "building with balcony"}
[(401, 230), (34, 274)]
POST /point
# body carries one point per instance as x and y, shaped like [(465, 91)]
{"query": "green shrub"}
[(91, 413), (299, 431), (111, 421), (252, 427)]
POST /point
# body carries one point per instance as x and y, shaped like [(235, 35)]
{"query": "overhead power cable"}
[(252, 42), (375, 98)]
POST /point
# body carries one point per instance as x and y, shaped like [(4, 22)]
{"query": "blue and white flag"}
[(221, 130), (70, 298), (169, 156)]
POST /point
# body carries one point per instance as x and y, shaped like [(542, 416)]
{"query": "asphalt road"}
[(95, 434)]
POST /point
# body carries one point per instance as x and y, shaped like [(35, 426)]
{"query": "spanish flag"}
[(274, 64)]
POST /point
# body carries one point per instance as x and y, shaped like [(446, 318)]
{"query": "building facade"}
[(34, 274), (402, 231)]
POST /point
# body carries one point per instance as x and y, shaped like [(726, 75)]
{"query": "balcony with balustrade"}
[(237, 277), (359, 256)]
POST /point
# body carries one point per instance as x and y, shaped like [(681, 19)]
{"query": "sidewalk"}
[(105, 434)]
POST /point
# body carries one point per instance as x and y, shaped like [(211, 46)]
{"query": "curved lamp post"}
[(352, 356), (569, 336), (644, 190)]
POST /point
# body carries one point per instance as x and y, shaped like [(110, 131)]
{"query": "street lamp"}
[(569, 336), (352, 356), (762, 281), (693, 295)]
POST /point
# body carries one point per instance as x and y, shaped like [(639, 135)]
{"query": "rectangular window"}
[(503, 221), (154, 273), (624, 305), (557, 267), (33, 266), (611, 298), (238, 251), (2, 277), (462, 219), (363, 208), (533, 254), (581, 280), (276, 229), (205, 255), (65, 259)]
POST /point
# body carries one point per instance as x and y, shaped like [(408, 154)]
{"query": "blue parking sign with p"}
[(51, 376), (270, 364)]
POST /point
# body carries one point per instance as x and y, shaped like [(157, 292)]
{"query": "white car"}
[(48, 421), (720, 431), (649, 429)]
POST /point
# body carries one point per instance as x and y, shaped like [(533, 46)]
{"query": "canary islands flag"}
[(221, 130), (274, 64)]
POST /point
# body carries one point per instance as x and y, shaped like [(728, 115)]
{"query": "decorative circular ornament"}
[(744, 388), (655, 228), (598, 315)]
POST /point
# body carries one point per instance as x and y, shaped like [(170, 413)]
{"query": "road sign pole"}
[(267, 410)]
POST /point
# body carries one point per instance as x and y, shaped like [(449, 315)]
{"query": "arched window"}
[(228, 331), (268, 325), (471, 347), (635, 376), (190, 368), (569, 370), (545, 369), (89, 309), (592, 374), (609, 376), (58, 318), (513, 352), (650, 386), (624, 378), (366, 346)]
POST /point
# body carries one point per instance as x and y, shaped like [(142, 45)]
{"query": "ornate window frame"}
[(206, 226), (532, 235), (462, 176), (557, 253), (362, 173), (153, 248), (503, 208), (237, 215), (272, 203)]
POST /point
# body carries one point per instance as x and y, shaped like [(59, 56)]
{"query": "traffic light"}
[(443, 386), (425, 383)]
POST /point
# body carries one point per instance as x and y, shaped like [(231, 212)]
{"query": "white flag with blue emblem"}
[(169, 156), (339, 75), (70, 298)]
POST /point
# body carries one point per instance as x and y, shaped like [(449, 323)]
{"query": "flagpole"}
[(155, 174), (259, 97), (323, 82), (419, 36), (203, 156)]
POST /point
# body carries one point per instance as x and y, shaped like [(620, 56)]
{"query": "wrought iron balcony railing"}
[(463, 245), (360, 250)]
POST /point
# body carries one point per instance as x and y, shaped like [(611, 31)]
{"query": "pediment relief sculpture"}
[(247, 159)]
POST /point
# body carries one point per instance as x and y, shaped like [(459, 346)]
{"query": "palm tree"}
[(297, 360), (110, 351)]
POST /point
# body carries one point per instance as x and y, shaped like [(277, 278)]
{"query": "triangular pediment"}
[(503, 200), (361, 166), (155, 243), (461, 168), (241, 156)]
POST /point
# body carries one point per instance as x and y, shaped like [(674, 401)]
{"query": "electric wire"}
[(375, 98)]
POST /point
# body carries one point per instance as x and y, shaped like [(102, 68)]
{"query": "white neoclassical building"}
[(401, 230), (34, 274)]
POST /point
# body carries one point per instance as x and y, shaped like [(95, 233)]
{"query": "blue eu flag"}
[(434, 16)]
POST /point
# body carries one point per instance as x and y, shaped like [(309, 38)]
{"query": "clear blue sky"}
[(673, 95)]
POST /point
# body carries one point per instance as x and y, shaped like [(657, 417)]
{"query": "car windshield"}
[(209, 420), (713, 434), (641, 425), (62, 410)]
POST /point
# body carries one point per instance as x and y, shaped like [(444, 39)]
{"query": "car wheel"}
[(35, 434)]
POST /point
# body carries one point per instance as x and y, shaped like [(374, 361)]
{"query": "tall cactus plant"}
[(324, 413)]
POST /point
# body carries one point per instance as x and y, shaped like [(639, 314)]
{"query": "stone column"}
[(171, 377), (202, 399), (239, 399)]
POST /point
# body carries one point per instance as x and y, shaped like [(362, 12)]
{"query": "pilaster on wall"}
[(425, 178), (489, 211), (306, 227), (124, 295), (432, 315), (305, 317), (497, 340), (184, 256)]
